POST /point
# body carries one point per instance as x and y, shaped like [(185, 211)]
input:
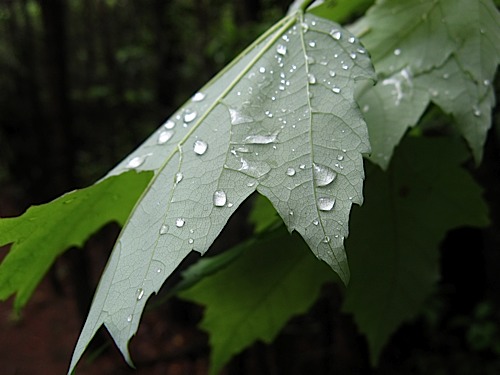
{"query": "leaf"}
[(281, 119), (394, 256), (273, 279), (43, 232), (445, 52)]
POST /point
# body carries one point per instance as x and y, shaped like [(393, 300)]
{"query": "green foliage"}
[(277, 283), (394, 255), (43, 232), (284, 119)]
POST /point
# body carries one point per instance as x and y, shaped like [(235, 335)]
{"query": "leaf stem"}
[(305, 4)]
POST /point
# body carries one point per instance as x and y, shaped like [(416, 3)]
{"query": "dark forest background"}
[(82, 83)]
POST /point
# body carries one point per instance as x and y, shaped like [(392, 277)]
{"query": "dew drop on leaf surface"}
[(200, 147), (326, 203), (219, 198), (198, 97), (165, 136), (179, 223), (178, 177), (164, 229), (290, 172), (169, 124), (137, 161), (190, 116), (323, 175), (140, 294)]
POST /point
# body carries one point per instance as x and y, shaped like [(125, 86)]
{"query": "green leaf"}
[(43, 232), (394, 256), (341, 11), (280, 120), (445, 52), (273, 279)]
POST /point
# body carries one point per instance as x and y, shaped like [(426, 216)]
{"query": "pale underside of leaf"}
[(282, 120), (445, 52)]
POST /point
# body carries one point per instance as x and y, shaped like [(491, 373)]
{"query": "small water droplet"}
[(486, 82), (446, 75), (164, 229), (281, 49), (290, 213), (332, 73), (351, 39), (200, 147), (285, 38), (336, 34), (262, 69), (190, 116), (366, 108), (323, 175), (310, 60), (190, 241), (165, 136), (340, 157), (353, 55), (219, 198), (137, 161), (169, 124), (140, 294), (326, 239), (312, 44), (315, 222), (312, 78), (268, 114), (336, 90), (230, 205), (326, 203), (305, 27), (397, 52), (178, 177), (290, 172), (345, 66), (361, 50), (198, 97), (302, 166), (476, 111), (129, 318), (179, 222), (158, 270)]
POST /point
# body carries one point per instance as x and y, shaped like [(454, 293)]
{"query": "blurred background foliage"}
[(82, 82)]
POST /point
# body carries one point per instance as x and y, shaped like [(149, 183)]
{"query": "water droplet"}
[(305, 27), (312, 78), (336, 34), (366, 108), (290, 213), (165, 136), (310, 60), (179, 222), (397, 52), (285, 38), (198, 97), (332, 73), (158, 270), (239, 118), (290, 172), (361, 50), (164, 229), (169, 124), (326, 203), (323, 175), (486, 82), (281, 49), (230, 205), (137, 161), (315, 222), (129, 318), (262, 139), (477, 111), (312, 44), (326, 239), (178, 177), (345, 66), (262, 69), (336, 90), (190, 241), (353, 55), (190, 116), (140, 294), (302, 166), (340, 157), (268, 114), (446, 75), (200, 147), (351, 39), (219, 198)]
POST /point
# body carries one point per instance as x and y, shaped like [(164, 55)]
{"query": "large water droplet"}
[(190, 116), (165, 136), (140, 294), (137, 161), (164, 229), (179, 222), (323, 175), (326, 203), (200, 147), (336, 34), (262, 139), (178, 177), (169, 124), (239, 118), (219, 198), (336, 90), (281, 49), (290, 172), (198, 97)]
